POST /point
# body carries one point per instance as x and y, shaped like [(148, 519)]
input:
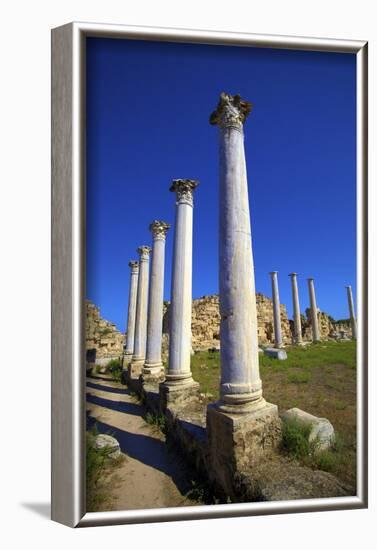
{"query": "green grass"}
[(319, 379), (159, 421), (295, 443), (97, 461), (114, 366)]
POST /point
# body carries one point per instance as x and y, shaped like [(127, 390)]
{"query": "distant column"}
[(297, 331), (276, 309), (131, 311), (240, 386), (314, 312), (179, 368), (352, 312), (138, 357), (153, 362)]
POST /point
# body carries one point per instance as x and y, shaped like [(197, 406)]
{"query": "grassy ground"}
[(320, 379)]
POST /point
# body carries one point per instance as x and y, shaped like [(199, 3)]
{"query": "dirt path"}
[(151, 475)]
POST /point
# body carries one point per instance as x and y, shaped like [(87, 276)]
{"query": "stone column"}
[(352, 312), (129, 349), (153, 367), (276, 309), (316, 337), (138, 357), (179, 383), (297, 331), (241, 425)]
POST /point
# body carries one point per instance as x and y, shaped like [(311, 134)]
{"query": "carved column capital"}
[(134, 265), (231, 112), (184, 189), (144, 252), (159, 229)]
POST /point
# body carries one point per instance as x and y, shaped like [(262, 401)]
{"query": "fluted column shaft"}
[(276, 309), (141, 306), (240, 385), (153, 361), (132, 307), (352, 312), (179, 368), (314, 312), (297, 331)]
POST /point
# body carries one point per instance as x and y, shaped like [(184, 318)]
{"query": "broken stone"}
[(103, 441), (322, 430), (280, 354)]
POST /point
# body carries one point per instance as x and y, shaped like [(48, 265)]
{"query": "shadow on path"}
[(150, 451), (109, 389), (119, 406)]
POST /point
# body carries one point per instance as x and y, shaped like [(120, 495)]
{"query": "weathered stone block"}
[(178, 395), (276, 353), (135, 369), (239, 441), (322, 430)]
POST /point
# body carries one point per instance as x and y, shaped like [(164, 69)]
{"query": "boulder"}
[(322, 430), (276, 353), (103, 441)]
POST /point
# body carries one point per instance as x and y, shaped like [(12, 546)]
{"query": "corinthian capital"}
[(159, 229), (134, 265), (184, 190), (231, 111), (144, 252)]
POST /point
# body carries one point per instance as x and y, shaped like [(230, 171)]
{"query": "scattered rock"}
[(322, 430), (107, 441), (276, 353)]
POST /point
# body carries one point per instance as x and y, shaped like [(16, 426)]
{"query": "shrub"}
[(295, 438), (115, 367)]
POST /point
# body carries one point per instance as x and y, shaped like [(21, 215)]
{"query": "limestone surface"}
[(322, 431)]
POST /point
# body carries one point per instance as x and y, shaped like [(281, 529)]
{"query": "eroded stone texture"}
[(238, 442), (101, 336), (322, 431)]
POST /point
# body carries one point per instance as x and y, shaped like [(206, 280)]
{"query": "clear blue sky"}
[(148, 105)]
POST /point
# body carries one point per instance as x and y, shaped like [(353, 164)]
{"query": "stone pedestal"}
[(276, 309), (178, 375), (297, 330), (138, 358), (238, 443), (129, 349), (352, 312), (153, 370), (178, 395), (314, 312)]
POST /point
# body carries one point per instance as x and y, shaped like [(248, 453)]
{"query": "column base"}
[(127, 358), (240, 441), (173, 393), (135, 368), (153, 373)]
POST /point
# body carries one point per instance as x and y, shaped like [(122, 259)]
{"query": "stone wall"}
[(101, 336), (206, 322)]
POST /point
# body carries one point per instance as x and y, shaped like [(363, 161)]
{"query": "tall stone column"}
[(352, 311), (314, 312), (138, 357), (276, 309), (129, 350), (297, 331), (241, 425), (179, 383), (153, 367)]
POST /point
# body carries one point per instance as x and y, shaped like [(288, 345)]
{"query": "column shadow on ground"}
[(109, 389), (150, 451), (118, 406)]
